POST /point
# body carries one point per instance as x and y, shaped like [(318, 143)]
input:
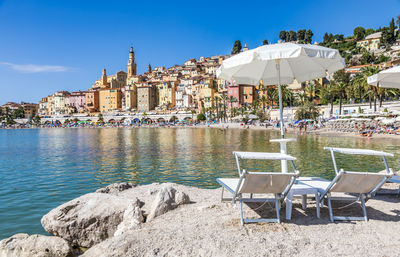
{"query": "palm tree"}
[(341, 88), (216, 101), (357, 82), (302, 98), (366, 72), (224, 98), (311, 91), (328, 95), (270, 95), (231, 99), (287, 95), (263, 100)]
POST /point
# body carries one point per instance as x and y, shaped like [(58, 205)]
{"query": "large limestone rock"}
[(89, 219), (168, 198), (23, 245)]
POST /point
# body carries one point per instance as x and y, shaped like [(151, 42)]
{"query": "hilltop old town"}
[(194, 88)]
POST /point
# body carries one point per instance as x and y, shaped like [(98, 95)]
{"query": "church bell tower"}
[(131, 63)]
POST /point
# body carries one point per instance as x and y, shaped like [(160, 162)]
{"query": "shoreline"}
[(223, 126)]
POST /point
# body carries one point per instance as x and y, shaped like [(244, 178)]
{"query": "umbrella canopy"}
[(281, 63), (389, 78)]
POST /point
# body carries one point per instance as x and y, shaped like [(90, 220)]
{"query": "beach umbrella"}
[(278, 64), (389, 78)]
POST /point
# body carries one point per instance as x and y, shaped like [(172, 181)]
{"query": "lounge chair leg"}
[(241, 213), (222, 194), (330, 208), (317, 205), (363, 207), (289, 199), (251, 196), (304, 202), (277, 206)]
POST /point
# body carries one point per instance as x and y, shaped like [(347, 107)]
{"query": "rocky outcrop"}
[(23, 245), (133, 218), (89, 219), (115, 188), (168, 198)]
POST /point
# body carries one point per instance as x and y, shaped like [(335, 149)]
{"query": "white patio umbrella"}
[(389, 78), (278, 64)]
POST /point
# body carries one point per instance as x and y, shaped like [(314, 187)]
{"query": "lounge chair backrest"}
[(265, 183), (358, 182)]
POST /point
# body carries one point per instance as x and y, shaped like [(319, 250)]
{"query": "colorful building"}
[(58, 103), (146, 97), (77, 100), (92, 102), (371, 42), (130, 99), (43, 109), (110, 100), (166, 95), (30, 109)]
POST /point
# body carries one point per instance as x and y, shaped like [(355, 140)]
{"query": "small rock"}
[(181, 198), (168, 198), (133, 217), (23, 245), (115, 188)]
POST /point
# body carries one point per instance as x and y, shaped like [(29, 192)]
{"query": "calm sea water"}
[(42, 168)]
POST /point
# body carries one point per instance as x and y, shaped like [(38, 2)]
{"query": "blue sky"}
[(50, 45)]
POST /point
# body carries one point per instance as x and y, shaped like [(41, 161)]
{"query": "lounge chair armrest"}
[(287, 189)]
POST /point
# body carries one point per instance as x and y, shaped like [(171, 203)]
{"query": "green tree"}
[(36, 119), (359, 33), (340, 88), (370, 90), (328, 95), (265, 42), (328, 38), (19, 113), (282, 35), (100, 117), (263, 101), (357, 83), (369, 32), (342, 76), (307, 111), (224, 98), (339, 37), (231, 100), (216, 102), (292, 36), (237, 47), (392, 32), (301, 34), (201, 117), (398, 21), (308, 37)]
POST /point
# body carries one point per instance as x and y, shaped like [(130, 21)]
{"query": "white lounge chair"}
[(277, 184), (363, 184)]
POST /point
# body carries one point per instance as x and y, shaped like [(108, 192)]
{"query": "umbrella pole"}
[(282, 143), (278, 70)]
